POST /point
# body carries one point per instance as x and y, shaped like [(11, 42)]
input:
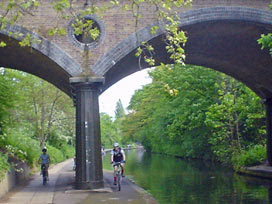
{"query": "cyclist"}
[(118, 155), (44, 160)]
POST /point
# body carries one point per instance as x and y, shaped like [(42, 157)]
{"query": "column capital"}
[(85, 83), (75, 80)]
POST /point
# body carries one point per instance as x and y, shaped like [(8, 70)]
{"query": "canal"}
[(174, 180)]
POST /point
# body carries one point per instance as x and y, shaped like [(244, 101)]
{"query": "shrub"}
[(253, 156), (68, 151), (56, 155), (4, 165), (22, 147), (17, 144)]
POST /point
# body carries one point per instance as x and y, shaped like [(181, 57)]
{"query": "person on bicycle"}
[(118, 155), (44, 160)]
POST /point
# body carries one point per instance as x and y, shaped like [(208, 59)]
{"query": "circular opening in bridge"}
[(85, 37), (88, 31)]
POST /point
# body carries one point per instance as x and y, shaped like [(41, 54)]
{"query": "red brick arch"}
[(222, 38), (45, 60)]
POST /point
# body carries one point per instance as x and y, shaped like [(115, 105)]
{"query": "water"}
[(174, 180)]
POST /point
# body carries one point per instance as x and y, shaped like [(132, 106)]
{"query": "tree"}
[(232, 119), (194, 112), (41, 107), (109, 133), (119, 110), (7, 99)]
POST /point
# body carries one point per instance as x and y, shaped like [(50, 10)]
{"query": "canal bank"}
[(261, 171), (130, 193)]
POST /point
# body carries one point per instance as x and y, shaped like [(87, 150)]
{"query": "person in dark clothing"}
[(118, 155)]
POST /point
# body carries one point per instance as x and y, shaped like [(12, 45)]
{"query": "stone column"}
[(270, 194), (268, 103), (89, 174)]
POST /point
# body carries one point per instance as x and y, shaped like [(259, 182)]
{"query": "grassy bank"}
[(22, 148)]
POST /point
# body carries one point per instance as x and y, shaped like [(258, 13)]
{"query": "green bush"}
[(4, 165), (22, 147), (17, 144), (28, 149), (56, 155), (68, 151), (253, 156)]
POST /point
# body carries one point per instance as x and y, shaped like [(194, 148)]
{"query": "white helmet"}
[(116, 144)]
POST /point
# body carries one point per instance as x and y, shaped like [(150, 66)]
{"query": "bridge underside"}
[(229, 46), (226, 42), (33, 61)]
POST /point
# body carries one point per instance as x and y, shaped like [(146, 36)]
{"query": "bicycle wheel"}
[(44, 181), (44, 178), (119, 182)]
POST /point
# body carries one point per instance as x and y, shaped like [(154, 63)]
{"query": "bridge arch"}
[(222, 38), (45, 60)]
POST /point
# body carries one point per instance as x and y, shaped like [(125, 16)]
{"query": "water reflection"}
[(174, 180)]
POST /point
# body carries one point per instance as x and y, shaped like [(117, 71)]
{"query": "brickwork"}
[(115, 52), (118, 24), (119, 62)]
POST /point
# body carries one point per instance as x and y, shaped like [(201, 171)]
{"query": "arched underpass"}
[(45, 60), (221, 38)]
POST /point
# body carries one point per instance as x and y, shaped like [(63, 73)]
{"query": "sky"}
[(123, 90)]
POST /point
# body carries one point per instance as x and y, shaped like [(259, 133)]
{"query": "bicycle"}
[(118, 174), (44, 174)]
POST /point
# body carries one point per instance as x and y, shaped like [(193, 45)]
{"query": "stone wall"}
[(13, 177)]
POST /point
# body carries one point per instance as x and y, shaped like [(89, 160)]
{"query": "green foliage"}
[(20, 145), (60, 5), (119, 110), (45, 111), (8, 95), (56, 31), (68, 151), (194, 112), (57, 139), (55, 154), (254, 155), (85, 27), (26, 149), (30, 108), (4, 165), (109, 133), (266, 42), (2, 44), (232, 120), (11, 11)]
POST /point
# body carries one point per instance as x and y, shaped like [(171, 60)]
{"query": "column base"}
[(89, 185)]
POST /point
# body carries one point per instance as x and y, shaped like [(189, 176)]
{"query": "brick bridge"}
[(222, 34)]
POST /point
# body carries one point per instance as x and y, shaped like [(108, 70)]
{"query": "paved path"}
[(60, 190), (34, 192)]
